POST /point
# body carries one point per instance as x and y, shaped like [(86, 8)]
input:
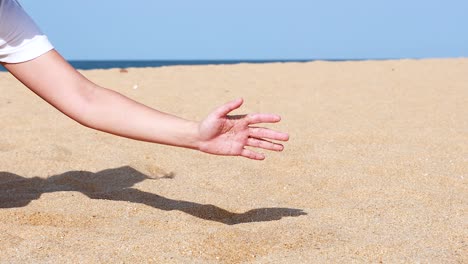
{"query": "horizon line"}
[(278, 59)]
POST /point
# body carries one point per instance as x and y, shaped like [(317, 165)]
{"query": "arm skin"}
[(57, 82)]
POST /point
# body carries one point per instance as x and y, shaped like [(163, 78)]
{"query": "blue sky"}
[(254, 29)]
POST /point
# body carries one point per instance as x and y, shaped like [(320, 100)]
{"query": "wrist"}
[(193, 136)]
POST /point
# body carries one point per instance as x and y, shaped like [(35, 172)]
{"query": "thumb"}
[(228, 107)]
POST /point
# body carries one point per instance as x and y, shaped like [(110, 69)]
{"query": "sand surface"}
[(376, 170)]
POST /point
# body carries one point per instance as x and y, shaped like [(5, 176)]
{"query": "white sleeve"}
[(20, 39)]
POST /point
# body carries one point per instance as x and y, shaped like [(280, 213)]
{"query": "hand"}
[(222, 134)]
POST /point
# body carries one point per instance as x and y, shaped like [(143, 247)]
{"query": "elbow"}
[(87, 93), (82, 104)]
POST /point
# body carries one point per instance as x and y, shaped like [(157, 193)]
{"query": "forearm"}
[(53, 79), (111, 112)]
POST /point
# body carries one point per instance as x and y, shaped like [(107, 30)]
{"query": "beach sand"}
[(376, 170)]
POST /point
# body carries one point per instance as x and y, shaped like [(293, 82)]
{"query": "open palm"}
[(222, 134)]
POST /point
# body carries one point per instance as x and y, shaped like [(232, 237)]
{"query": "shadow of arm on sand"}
[(115, 184), (204, 211)]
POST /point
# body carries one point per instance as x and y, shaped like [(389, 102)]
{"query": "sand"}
[(376, 170)]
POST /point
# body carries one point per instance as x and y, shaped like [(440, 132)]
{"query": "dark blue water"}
[(109, 64), (87, 65)]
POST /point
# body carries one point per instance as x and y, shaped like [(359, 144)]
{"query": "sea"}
[(109, 64)]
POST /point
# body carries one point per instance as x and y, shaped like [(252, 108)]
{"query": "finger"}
[(228, 107), (263, 118), (261, 132), (264, 144), (252, 154)]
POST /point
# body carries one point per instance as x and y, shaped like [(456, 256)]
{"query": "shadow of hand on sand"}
[(115, 184)]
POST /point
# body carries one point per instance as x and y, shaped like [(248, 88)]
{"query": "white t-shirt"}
[(20, 39)]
